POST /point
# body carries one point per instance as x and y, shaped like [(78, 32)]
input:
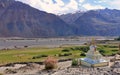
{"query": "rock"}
[(10, 71)]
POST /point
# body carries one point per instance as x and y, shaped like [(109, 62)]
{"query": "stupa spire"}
[(93, 43)]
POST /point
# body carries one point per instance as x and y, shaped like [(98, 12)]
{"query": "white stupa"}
[(93, 58)]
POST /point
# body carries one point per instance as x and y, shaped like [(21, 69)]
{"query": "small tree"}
[(74, 62), (50, 63), (82, 54)]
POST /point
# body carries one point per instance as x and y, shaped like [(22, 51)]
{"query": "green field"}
[(37, 54)]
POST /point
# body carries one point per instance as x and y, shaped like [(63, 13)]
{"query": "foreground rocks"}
[(88, 71), (64, 68)]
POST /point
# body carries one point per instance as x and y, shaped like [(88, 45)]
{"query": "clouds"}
[(92, 7), (115, 4), (53, 6), (91, 4), (81, 1), (69, 6), (72, 5)]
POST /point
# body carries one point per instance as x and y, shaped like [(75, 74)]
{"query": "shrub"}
[(44, 55), (25, 46), (113, 46), (60, 55), (74, 62), (83, 48), (65, 50), (102, 51), (71, 48), (77, 48), (39, 56), (50, 63), (82, 54), (65, 54), (105, 46), (114, 50)]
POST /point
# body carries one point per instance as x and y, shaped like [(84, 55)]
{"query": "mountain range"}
[(21, 20), (104, 22)]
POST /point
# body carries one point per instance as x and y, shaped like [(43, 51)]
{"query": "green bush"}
[(83, 48), (71, 48), (77, 48), (102, 51), (39, 56), (82, 54), (65, 50), (114, 50), (74, 62), (105, 46), (44, 55), (113, 46), (65, 54)]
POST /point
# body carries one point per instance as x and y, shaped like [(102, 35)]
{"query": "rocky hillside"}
[(105, 22), (71, 17), (100, 22), (21, 20)]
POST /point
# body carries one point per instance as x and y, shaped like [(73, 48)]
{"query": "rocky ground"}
[(64, 68), (89, 71)]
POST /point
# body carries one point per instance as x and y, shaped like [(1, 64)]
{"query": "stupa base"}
[(99, 64)]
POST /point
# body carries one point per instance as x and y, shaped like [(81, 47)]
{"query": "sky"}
[(71, 6)]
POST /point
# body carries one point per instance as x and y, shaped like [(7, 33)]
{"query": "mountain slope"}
[(71, 17), (20, 20), (104, 22)]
